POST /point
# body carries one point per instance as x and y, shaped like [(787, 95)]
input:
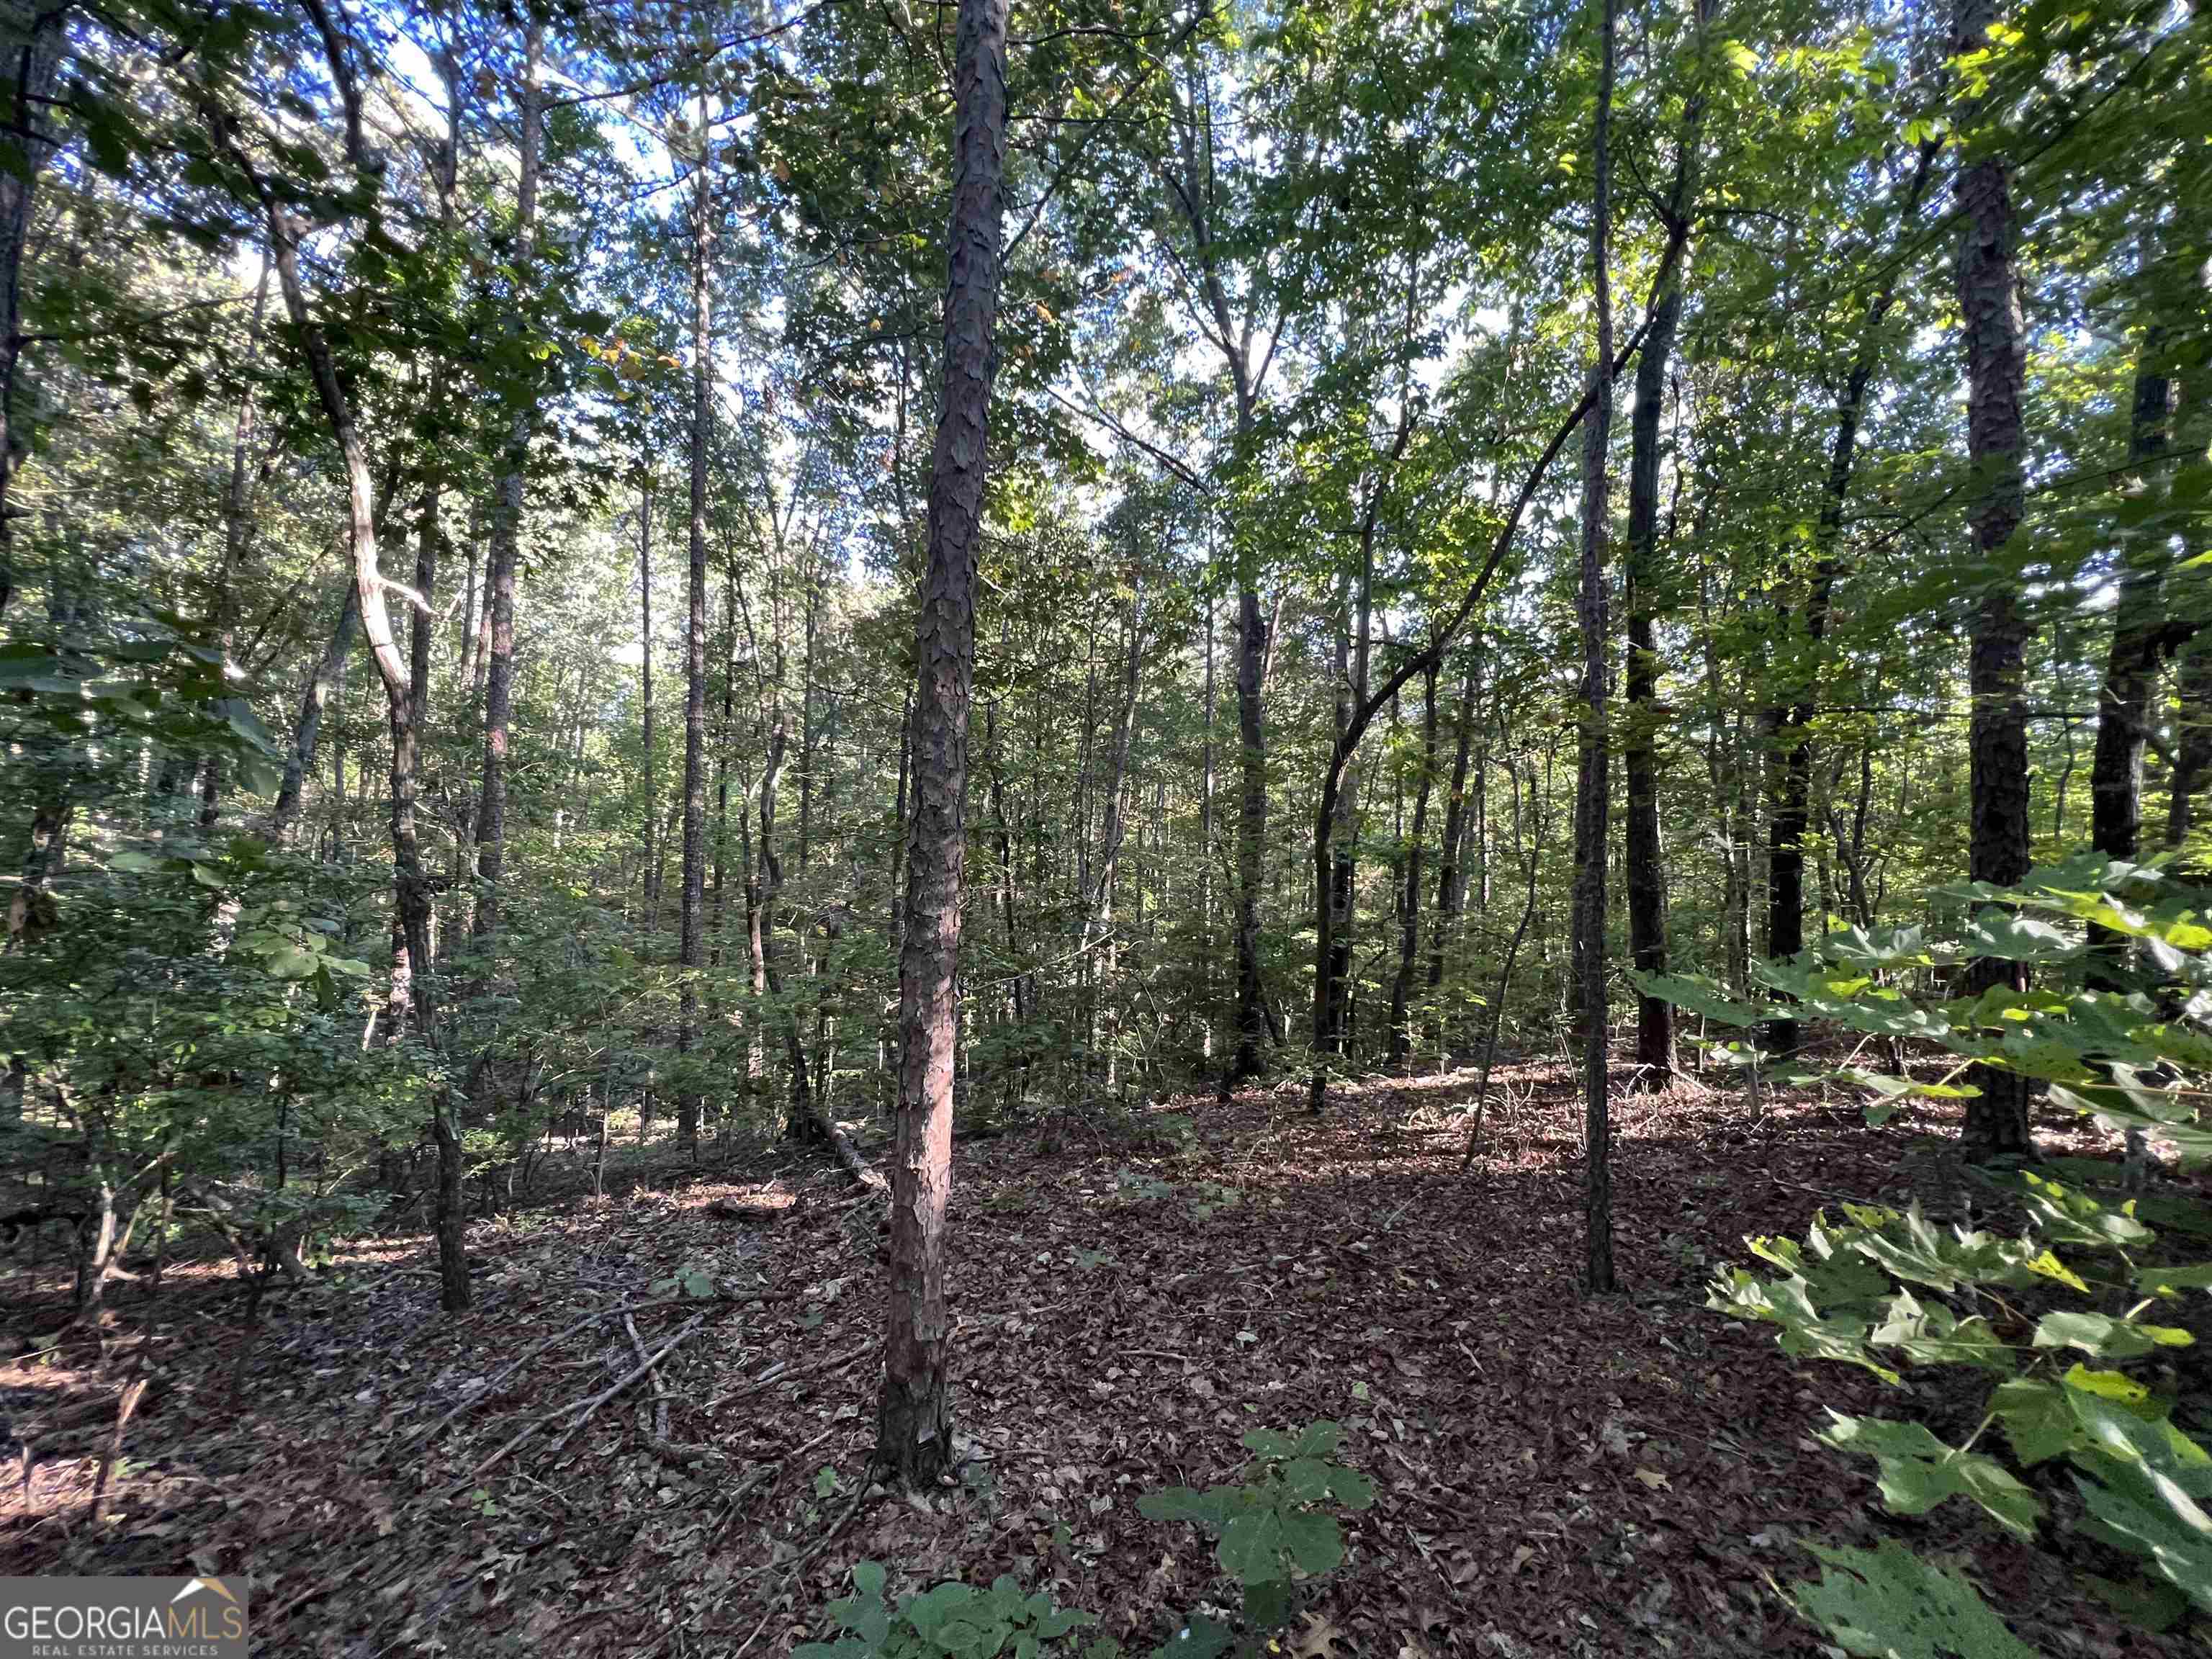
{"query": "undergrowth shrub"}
[(2070, 1328), (1273, 1530)]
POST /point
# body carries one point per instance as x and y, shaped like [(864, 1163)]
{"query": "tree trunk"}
[(1409, 894), (237, 538), (2142, 633), (1792, 813), (31, 40), (645, 703), (690, 956), (1593, 779), (306, 726), (1997, 357), (1451, 875), (1251, 829), (506, 528), (1643, 857), (914, 1440)]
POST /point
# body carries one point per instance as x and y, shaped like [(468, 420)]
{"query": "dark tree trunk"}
[(1593, 780), (1996, 355), (1451, 873), (1409, 892), (1792, 813), (31, 39), (652, 829), (690, 956), (1645, 856), (913, 1437), (1645, 870), (1251, 829), (2140, 636), (499, 562), (307, 724)]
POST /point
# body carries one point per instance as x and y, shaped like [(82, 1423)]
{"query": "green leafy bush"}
[(954, 1619), (2070, 1325), (1271, 1527)]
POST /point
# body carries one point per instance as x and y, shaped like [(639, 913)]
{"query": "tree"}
[(914, 1429), (1593, 775), (1994, 335)]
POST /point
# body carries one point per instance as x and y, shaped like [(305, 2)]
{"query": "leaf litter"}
[(651, 1433)]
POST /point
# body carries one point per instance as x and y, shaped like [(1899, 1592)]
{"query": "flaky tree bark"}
[(1996, 341), (1593, 777), (506, 528), (30, 55), (914, 1433), (690, 956)]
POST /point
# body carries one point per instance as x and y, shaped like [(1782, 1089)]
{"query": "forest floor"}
[(1556, 1474)]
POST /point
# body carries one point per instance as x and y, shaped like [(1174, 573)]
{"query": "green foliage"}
[(1270, 1531), (1888, 1603), (953, 1620), (2069, 1323), (1271, 1528)]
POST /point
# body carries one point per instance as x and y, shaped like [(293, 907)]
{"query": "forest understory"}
[(1555, 1473)]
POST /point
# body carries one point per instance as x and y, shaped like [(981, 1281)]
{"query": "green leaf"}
[(1314, 1541), (1917, 1471), (1251, 1545), (1888, 1603), (2106, 1338)]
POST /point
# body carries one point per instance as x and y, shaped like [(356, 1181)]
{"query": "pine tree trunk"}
[(914, 1440)]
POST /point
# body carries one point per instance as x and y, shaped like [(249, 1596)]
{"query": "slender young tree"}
[(1593, 789), (690, 955), (1643, 858), (506, 530), (914, 1429)]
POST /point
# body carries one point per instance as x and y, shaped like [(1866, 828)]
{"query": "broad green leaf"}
[(1888, 1603)]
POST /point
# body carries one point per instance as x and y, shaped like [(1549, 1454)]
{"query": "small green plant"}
[(1271, 1527), (954, 1619), (690, 1280), (2072, 1325)]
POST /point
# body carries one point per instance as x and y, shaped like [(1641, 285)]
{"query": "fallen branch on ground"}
[(589, 1407)]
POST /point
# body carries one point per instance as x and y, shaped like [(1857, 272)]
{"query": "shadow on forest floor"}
[(1556, 1474)]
